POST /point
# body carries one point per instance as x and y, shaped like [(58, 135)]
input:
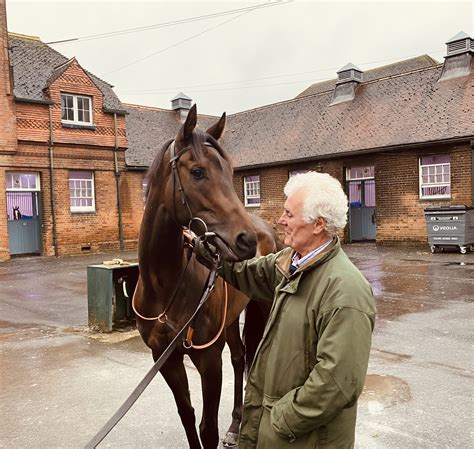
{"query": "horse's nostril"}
[(247, 242)]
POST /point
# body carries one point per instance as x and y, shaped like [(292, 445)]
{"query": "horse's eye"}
[(197, 173)]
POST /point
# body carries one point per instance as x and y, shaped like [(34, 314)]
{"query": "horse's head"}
[(200, 187)]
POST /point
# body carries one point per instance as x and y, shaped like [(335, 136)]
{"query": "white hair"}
[(324, 198)]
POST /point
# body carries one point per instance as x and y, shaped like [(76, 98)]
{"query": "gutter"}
[(117, 184), (51, 184)]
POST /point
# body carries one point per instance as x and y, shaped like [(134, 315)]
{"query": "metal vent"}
[(455, 47), (345, 75)]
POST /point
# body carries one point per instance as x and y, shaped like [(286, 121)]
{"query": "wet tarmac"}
[(60, 382)]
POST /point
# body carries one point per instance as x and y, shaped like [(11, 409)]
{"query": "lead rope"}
[(125, 407)]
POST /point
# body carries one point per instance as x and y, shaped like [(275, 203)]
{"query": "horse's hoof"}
[(231, 439)]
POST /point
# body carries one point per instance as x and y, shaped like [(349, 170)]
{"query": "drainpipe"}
[(51, 184), (117, 183)]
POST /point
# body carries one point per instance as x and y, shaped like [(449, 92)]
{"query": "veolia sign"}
[(437, 228)]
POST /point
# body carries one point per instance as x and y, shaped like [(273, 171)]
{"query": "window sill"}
[(78, 125), (444, 198), (252, 205), (83, 212)]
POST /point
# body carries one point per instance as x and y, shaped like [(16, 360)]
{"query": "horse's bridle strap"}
[(188, 342)]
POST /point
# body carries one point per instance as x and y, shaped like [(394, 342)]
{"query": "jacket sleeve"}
[(256, 278), (336, 380)]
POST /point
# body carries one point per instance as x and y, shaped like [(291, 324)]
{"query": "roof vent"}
[(181, 104), (457, 62), (349, 73), (461, 43), (347, 80)]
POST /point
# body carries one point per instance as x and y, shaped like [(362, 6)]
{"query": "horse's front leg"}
[(209, 364), (175, 375), (236, 347)]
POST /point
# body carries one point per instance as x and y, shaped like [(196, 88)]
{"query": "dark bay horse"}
[(191, 178)]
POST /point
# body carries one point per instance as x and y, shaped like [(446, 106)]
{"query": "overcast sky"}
[(242, 60)]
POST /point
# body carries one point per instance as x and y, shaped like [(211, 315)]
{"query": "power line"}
[(246, 11), (269, 4), (168, 90)]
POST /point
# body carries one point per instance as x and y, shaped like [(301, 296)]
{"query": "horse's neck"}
[(161, 251)]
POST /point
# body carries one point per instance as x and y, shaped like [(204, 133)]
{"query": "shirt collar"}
[(297, 261)]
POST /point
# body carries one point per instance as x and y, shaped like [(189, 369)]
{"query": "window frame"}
[(248, 196), (75, 110), (22, 188), (82, 209), (428, 184)]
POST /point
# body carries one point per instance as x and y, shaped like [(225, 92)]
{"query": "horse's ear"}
[(217, 129), (184, 134)]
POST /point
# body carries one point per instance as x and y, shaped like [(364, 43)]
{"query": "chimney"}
[(181, 104), (347, 80), (8, 134), (457, 62)]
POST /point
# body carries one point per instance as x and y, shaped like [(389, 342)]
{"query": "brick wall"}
[(132, 206), (7, 104), (400, 217), (33, 119)]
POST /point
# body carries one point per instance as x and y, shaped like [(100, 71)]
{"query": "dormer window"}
[(76, 109)]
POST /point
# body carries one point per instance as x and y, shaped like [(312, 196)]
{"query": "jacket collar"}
[(284, 259)]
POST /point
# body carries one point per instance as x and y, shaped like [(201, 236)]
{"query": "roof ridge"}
[(142, 106)]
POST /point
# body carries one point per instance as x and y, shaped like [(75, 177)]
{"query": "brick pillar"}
[(8, 136)]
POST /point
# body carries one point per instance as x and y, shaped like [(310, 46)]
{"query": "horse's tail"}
[(255, 319)]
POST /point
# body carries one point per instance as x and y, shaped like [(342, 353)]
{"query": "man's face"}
[(299, 235)]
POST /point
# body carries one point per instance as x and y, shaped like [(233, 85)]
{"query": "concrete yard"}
[(60, 382)]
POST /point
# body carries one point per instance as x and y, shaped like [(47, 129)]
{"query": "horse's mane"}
[(198, 139)]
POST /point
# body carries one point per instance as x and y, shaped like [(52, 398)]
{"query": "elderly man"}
[(311, 364)]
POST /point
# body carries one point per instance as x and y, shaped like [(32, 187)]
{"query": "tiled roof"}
[(404, 109), (149, 128), (35, 65), (396, 68)]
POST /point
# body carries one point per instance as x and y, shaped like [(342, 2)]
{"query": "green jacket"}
[(311, 364)]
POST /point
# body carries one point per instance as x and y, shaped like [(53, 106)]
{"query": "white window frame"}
[(251, 190), (437, 167), (368, 172), (84, 184), (75, 109), (20, 186)]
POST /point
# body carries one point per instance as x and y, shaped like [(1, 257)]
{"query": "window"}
[(296, 172), (76, 109), (356, 173), (23, 181), (252, 191), (81, 191), (435, 177)]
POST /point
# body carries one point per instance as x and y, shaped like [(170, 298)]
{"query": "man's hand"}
[(206, 254)]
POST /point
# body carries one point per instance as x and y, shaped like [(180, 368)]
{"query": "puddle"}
[(381, 392)]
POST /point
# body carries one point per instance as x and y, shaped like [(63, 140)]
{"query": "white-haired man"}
[(310, 367)]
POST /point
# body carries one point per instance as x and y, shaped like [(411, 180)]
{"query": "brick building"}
[(399, 138), (62, 145), (73, 158)]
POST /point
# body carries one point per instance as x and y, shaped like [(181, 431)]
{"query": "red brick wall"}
[(7, 104), (132, 206), (400, 217), (33, 119)]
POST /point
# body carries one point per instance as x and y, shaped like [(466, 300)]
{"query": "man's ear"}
[(319, 225)]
